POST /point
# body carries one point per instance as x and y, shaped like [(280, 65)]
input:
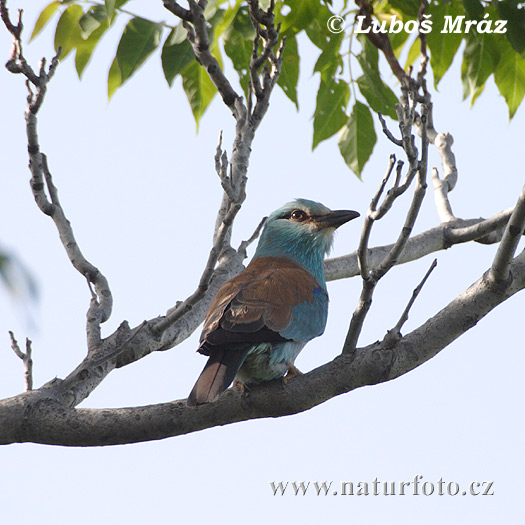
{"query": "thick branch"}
[(50, 423), (439, 238)]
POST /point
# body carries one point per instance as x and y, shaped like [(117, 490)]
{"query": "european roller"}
[(260, 320)]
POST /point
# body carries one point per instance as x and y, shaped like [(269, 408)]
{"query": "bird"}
[(259, 321)]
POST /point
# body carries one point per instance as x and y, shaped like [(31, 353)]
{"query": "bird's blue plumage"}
[(300, 241), (259, 321)]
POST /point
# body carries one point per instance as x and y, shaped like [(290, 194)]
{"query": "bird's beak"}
[(335, 218)]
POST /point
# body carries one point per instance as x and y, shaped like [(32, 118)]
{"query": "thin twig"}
[(441, 199), (196, 25), (244, 244), (387, 132), (421, 76), (221, 167), (500, 270), (371, 278), (362, 250), (26, 359), (413, 212), (396, 191), (267, 33), (177, 10), (40, 175), (100, 310), (394, 335), (382, 42)]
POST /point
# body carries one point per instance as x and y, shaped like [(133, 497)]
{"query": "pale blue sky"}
[(140, 190)]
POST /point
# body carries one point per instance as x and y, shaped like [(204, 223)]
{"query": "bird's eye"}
[(298, 215)]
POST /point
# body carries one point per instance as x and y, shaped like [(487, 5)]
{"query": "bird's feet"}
[(242, 388), (293, 371)]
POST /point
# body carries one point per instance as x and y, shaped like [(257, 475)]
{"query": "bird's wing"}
[(273, 299)]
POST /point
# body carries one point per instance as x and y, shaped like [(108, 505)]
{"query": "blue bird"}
[(260, 320)]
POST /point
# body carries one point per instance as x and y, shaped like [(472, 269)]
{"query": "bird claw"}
[(242, 388), (293, 371)]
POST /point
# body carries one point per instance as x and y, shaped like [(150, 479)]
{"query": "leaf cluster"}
[(348, 65)]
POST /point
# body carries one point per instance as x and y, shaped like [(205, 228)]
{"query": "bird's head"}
[(302, 230)]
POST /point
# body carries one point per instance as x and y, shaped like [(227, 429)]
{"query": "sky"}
[(138, 185)]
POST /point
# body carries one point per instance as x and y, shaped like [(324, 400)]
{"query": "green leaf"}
[(238, 45), (290, 69), (5, 261), (473, 9), (112, 6), (110, 9), (226, 20), (92, 20), (357, 138), (86, 47), (377, 93), (510, 76), (369, 56), (68, 33), (330, 61), (211, 8), (114, 78), (198, 88), (479, 62), (176, 53), (17, 278), (409, 7), (330, 116), (319, 34), (515, 16), (302, 12), (44, 17), (139, 39), (443, 46), (379, 96), (397, 41), (413, 53)]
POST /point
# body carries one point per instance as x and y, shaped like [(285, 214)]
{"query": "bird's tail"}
[(217, 376)]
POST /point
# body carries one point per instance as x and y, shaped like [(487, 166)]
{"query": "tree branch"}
[(195, 23), (371, 278), (234, 185), (382, 42), (51, 423), (26, 359), (388, 133), (47, 415), (500, 271), (394, 335), (100, 307), (438, 238)]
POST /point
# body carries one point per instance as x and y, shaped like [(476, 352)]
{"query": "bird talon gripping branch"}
[(293, 371), (259, 321)]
